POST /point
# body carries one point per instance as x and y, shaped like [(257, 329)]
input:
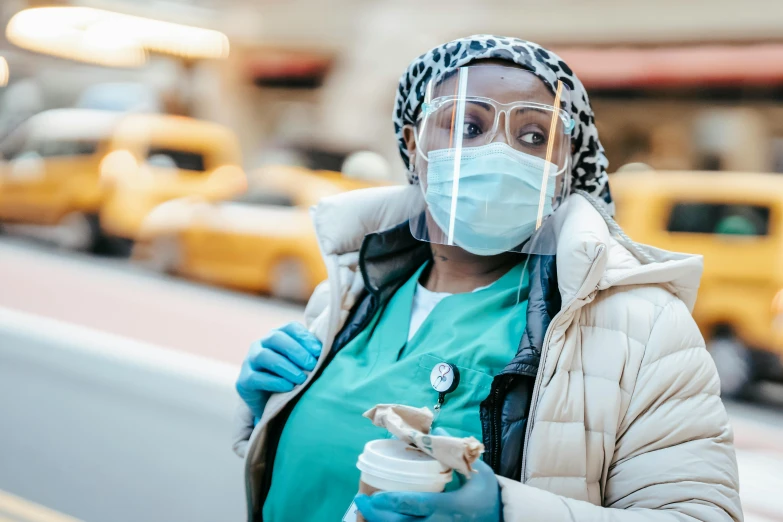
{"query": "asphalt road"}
[(105, 429), (116, 395)]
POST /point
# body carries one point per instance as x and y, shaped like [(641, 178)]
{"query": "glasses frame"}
[(500, 108)]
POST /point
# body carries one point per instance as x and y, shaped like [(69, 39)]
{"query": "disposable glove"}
[(276, 364), (478, 500)]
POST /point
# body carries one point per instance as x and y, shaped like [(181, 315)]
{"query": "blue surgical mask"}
[(499, 190)]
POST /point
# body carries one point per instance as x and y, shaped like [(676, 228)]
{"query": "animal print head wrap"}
[(588, 159)]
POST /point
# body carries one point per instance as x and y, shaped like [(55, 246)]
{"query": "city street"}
[(240, 142), (111, 296), (106, 429), (117, 395)]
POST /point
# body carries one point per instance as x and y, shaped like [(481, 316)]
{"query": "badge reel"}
[(444, 379)]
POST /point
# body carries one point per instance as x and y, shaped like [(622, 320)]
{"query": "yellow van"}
[(90, 174), (734, 220), (261, 241)]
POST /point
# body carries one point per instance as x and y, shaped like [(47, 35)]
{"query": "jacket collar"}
[(342, 221), (390, 257), (588, 257)]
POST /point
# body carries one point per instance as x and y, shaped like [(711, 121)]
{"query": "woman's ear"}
[(410, 143)]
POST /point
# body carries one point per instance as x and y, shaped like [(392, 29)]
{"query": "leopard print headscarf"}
[(588, 160)]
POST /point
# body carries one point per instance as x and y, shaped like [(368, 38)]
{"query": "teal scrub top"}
[(314, 475)]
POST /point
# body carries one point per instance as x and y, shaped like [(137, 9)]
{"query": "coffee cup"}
[(394, 465)]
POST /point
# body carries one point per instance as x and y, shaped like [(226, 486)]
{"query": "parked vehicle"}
[(261, 241), (90, 175), (735, 220)]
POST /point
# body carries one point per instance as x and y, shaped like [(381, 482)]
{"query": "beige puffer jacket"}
[(626, 422)]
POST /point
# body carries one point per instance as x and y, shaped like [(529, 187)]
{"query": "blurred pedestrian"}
[(580, 366)]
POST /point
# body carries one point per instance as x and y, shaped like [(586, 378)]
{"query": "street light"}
[(109, 38), (3, 72)]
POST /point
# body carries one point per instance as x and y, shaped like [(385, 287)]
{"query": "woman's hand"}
[(276, 364), (478, 500)]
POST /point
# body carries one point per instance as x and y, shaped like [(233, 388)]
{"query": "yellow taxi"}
[(734, 220), (89, 174), (50, 174), (158, 158), (260, 241)]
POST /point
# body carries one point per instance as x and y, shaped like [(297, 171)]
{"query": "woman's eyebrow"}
[(484, 105), (536, 109)]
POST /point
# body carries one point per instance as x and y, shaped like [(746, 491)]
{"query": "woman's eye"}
[(533, 138), (470, 130)]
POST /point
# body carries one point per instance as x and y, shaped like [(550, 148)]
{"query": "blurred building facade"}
[(675, 84)]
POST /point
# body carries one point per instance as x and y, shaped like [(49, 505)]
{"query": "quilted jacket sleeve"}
[(674, 456)]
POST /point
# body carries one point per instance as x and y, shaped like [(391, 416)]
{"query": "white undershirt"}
[(424, 301)]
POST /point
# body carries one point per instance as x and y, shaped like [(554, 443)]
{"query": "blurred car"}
[(157, 158), (735, 220), (88, 174), (261, 241), (50, 172)]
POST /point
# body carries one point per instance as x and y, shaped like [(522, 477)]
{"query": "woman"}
[(581, 368)]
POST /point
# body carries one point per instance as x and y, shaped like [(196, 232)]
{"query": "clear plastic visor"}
[(492, 152)]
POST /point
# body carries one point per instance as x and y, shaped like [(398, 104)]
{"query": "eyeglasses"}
[(529, 126)]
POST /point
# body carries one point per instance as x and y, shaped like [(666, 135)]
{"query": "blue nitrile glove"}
[(276, 364), (478, 500)]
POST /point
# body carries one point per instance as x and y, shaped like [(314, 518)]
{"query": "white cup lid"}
[(393, 459)]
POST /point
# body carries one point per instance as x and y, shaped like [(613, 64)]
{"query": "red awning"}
[(713, 65), (278, 63)]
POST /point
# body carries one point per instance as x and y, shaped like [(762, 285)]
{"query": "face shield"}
[(492, 152)]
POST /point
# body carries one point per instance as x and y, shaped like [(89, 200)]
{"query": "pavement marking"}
[(26, 511)]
